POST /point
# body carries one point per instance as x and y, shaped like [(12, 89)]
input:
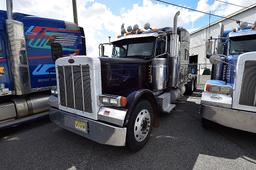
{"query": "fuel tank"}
[(121, 76)]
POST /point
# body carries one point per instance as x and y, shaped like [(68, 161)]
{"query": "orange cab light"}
[(123, 101), (154, 29), (139, 31), (2, 70)]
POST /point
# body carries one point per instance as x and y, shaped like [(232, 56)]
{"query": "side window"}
[(119, 51), (160, 46)]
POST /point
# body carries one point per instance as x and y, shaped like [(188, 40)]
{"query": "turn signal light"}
[(123, 101), (2, 70)]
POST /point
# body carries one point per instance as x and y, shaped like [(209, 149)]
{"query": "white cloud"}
[(99, 21), (224, 9)]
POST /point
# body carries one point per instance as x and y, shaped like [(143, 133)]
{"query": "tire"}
[(139, 126)]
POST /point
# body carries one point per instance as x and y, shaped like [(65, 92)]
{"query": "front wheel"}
[(139, 126)]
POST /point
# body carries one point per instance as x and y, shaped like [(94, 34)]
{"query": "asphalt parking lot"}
[(179, 143)]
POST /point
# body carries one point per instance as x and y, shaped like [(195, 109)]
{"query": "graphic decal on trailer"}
[(42, 37), (38, 41), (43, 69)]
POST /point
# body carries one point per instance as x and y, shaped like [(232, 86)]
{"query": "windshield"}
[(140, 48), (239, 45)]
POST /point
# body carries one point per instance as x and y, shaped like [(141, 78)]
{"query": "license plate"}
[(82, 126)]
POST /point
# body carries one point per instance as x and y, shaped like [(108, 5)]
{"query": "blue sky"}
[(101, 18), (117, 6)]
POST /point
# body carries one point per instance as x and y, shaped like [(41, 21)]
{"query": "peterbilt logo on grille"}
[(71, 61)]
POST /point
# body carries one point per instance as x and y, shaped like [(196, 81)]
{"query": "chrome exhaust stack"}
[(9, 8), (74, 11), (220, 48), (18, 55), (174, 52)]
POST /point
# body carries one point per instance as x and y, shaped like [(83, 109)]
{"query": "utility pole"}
[(75, 12)]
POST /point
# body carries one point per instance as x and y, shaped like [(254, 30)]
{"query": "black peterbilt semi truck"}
[(116, 100)]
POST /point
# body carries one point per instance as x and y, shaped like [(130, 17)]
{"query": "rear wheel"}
[(139, 126)]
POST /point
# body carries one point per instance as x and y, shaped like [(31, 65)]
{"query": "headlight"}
[(112, 100), (54, 92), (219, 89)]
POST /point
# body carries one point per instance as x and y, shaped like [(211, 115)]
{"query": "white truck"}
[(116, 100)]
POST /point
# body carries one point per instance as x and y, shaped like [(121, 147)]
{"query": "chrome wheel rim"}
[(142, 125)]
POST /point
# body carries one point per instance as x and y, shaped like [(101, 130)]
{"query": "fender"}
[(134, 97)]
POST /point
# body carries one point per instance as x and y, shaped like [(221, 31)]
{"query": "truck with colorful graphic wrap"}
[(27, 72), (229, 98)]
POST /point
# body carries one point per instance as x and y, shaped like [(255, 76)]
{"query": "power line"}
[(229, 3), (203, 12)]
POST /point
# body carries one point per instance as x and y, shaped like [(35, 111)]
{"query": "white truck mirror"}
[(209, 45), (215, 59)]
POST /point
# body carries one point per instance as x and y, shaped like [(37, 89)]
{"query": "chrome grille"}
[(248, 90), (75, 87)]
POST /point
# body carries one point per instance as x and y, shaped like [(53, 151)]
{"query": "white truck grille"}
[(75, 88), (79, 85), (244, 95), (248, 90)]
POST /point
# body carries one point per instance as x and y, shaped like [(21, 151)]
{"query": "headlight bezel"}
[(219, 89), (113, 100)]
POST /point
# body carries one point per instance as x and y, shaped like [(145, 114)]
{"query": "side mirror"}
[(102, 49), (209, 45), (56, 50)]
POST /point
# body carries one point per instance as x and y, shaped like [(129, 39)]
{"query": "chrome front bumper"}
[(232, 118), (97, 131)]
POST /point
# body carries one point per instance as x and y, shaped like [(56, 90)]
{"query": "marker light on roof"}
[(129, 28), (243, 25), (147, 26), (123, 31), (135, 28)]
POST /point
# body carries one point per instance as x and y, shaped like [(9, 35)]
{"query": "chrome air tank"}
[(159, 73)]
